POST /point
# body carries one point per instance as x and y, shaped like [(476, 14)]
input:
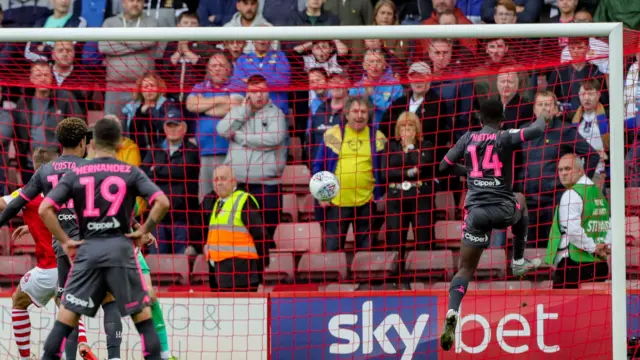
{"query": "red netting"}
[(271, 115)]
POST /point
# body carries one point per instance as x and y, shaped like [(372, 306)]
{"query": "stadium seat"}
[(632, 226), (281, 268), (445, 286), (200, 273), (339, 287), (544, 285), (5, 240), (295, 178), (445, 205), (330, 266), (306, 207), (504, 285), (295, 149), (430, 264), (12, 268), (633, 261), (418, 286), (265, 289), (633, 284), (169, 269), (632, 197), (596, 286), (23, 245), (493, 264), (298, 237), (448, 233), (94, 116), (289, 208), (375, 265)]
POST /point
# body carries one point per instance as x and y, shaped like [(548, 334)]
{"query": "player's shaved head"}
[(224, 181), (570, 170), (492, 113), (107, 134), (70, 132)]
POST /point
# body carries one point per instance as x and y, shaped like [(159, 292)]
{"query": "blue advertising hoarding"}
[(383, 327)]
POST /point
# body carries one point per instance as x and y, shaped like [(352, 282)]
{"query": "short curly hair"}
[(71, 131)]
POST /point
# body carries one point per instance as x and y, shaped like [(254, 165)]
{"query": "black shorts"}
[(479, 221), (64, 266), (87, 288)]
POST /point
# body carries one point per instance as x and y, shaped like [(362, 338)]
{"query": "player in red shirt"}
[(39, 285)]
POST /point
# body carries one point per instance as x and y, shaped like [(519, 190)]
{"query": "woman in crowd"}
[(144, 116), (409, 174)]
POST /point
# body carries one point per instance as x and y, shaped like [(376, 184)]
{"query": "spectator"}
[(517, 109), (169, 166), (352, 152), (593, 124), (270, 64), (126, 61), (505, 12), (23, 14), (71, 75), (60, 18), (6, 135), (396, 51), (314, 14), (234, 49), (37, 114), (211, 100), (216, 12), (632, 92), (567, 12), (408, 170), (248, 16), (598, 49), (95, 15), (326, 106), (540, 158), (463, 49), (257, 134), (145, 114), (565, 81), (185, 61), (441, 7), (351, 12), (377, 85), (528, 11), (278, 12), (423, 101), (237, 254), (580, 239), (472, 9)]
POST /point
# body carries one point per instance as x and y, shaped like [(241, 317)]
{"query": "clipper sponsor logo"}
[(113, 224), (79, 302), (66, 217), (477, 239), (487, 183)]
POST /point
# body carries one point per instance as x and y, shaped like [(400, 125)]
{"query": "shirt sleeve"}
[(147, 188), (570, 213), (63, 192)]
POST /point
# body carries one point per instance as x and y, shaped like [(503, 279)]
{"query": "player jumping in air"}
[(490, 202), (156, 310), (103, 191), (39, 285)]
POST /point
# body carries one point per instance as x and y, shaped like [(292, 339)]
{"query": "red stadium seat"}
[(633, 261), (504, 285), (493, 263), (289, 208), (298, 237), (282, 267), (445, 204), (632, 195), (430, 264), (306, 207), (374, 265), (448, 233), (330, 266), (596, 286), (339, 287), (265, 289), (545, 285), (23, 245), (295, 178), (5, 240), (295, 149), (169, 269), (418, 286), (94, 116), (12, 268), (200, 273), (632, 226)]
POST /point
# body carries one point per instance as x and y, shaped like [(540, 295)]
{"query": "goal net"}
[(280, 275)]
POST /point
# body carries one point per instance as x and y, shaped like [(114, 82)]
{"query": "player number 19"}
[(115, 199), (489, 161)]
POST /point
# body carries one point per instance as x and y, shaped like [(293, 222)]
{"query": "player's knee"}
[(20, 300), (141, 315), (108, 298)]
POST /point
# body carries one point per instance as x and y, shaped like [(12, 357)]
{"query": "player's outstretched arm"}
[(533, 131), (19, 199)]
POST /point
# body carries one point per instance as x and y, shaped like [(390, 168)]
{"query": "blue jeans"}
[(172, 239)]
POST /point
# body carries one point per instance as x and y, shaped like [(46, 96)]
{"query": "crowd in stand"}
[(258, 106)]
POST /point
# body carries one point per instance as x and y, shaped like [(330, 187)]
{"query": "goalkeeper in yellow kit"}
[(130, 153)]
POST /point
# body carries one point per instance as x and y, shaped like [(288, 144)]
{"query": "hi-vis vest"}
[(228, 236)]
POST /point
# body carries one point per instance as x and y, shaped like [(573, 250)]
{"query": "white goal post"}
[(614, 32)]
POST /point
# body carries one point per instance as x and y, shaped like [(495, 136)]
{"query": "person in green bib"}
[(580, 240)]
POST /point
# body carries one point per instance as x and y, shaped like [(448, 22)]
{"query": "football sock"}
[(22, 332), (149, 340), (456, 292), (113, 328), (158, 321), (55, 343)]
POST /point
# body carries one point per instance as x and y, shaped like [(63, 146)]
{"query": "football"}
[(324, 186)]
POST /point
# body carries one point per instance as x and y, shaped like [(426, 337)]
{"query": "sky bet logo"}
[(355, 328)]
